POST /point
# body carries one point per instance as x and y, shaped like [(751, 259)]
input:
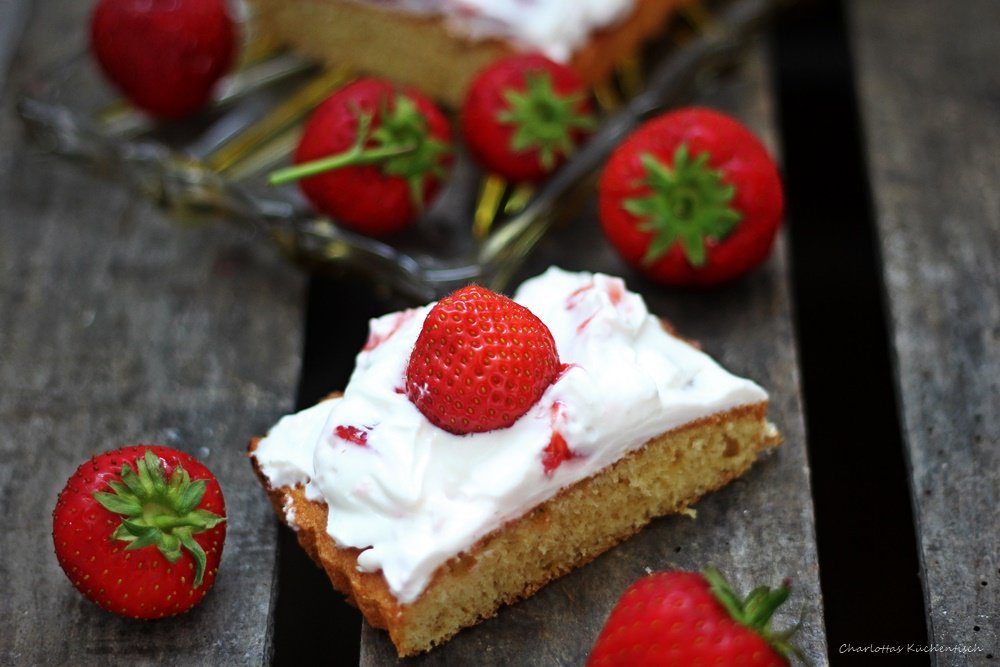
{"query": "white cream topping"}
[(557, 28), (412, 495)]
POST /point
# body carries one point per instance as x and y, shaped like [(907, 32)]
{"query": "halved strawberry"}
[(480, 362), (139, 530)]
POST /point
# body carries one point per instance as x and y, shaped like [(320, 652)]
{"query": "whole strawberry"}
[(685, 618), (139, 530), (523, 115), (480, 362), (691, 198), (372, 157), (164, 55)]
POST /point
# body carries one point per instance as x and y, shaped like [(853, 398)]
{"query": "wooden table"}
[(117, 327)]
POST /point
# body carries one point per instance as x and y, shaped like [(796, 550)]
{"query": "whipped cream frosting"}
[(412, 495), (554, 27)]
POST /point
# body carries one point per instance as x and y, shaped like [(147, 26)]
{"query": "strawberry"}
[(691, 198), (687, 618), (523, 115), (480, 362), (164, 55), (139, 530), (372, 157)]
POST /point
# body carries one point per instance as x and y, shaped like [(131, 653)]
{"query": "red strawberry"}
[(523, 115), (139, 530), (372, 157), (480, 362), (165, 55), (686, 618), (691, 198)]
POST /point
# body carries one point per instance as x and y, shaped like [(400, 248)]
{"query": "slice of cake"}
[(439, 45), (429, 511)]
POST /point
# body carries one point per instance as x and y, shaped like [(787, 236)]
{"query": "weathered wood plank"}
[(929, 82), (757, 530), (117, 327), (13, 16)]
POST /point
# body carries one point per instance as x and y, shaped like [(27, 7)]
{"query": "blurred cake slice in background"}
[(439, 45)]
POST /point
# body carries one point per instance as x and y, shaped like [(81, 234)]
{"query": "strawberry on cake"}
[(485, 446)]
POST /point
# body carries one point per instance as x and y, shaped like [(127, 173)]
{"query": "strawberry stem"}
[(402, 146), (168, 522), (158, 512), (351, 157)]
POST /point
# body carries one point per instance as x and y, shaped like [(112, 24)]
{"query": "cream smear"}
[(557, 28), (412, 495)]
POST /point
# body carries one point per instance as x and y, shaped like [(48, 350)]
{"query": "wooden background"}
[(118, 326), (930, 90)]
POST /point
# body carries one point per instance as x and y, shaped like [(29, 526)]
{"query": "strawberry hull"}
[(137, 582), (699, 224), (524, 115)]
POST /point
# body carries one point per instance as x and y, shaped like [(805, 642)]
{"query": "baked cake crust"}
[(422, 51), (664, 476)]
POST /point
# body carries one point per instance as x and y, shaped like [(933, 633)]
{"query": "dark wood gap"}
[(869, 568), (311, 619)]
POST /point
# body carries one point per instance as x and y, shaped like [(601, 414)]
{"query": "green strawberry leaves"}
[(755, 611), (689, 202), (160, 512), (403, 126), (544, 119)]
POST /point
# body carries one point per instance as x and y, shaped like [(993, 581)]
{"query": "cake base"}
[(665, 476), (422, 52)]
